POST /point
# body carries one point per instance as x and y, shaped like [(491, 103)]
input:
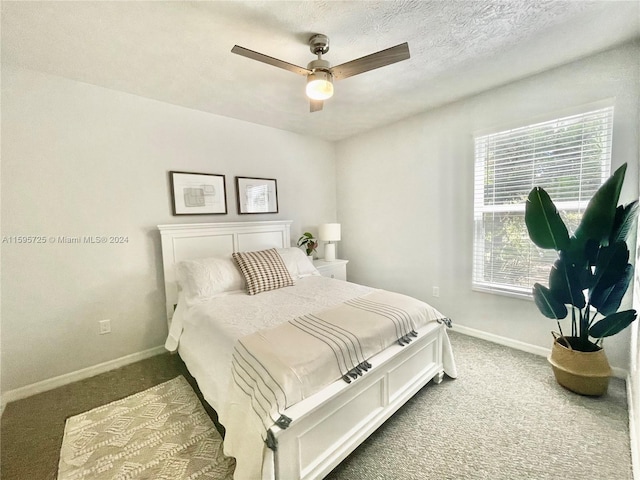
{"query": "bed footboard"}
[(328, 426)]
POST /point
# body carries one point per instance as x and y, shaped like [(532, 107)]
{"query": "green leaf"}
[(610, 266), (623, 222), (581, 256), (591, 250), (613, 324), (564, 283), (608, 300), (598, 217), (305, 239), (546, 228), (581, 261), (546, 302)]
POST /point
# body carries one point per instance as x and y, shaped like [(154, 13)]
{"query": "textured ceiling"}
[(179, 52)]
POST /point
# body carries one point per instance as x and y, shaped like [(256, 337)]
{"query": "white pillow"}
[(297, 262), (205, 278)]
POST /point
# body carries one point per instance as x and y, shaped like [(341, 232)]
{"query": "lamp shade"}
[(329, 232), (319, 85)]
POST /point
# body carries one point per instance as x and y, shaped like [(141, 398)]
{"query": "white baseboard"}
[(518, 345), (68, 378)]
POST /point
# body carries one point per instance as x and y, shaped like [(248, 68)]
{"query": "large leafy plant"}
[(592, 272)]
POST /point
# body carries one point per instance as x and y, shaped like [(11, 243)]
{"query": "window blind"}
[(569, 157)]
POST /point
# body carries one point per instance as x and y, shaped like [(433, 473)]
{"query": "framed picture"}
[(257, 195), (198, 193)]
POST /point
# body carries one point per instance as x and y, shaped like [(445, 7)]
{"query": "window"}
[(569, 157)]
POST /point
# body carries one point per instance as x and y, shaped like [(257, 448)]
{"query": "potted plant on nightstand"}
[(590, 277), (309, 243)]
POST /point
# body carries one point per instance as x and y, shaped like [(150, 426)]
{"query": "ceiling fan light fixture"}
[(319, 85), (319, 72)]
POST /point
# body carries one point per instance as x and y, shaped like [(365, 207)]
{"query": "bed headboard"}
[(200, 240)]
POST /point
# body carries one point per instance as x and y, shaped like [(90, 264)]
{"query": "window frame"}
[(479, 282)]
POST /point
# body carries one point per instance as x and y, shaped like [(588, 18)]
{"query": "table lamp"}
[(329, 232)]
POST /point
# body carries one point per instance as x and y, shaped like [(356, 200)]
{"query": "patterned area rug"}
[(160, 433)]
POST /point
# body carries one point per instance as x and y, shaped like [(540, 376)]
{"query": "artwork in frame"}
[(198, 193), (257, 195)]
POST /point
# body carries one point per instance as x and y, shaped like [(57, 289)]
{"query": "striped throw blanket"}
[(278, 367)]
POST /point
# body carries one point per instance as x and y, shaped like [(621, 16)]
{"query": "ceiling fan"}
[(320, 74)]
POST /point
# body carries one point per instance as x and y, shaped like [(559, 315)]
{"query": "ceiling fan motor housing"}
[(319, 65), (319, 44)]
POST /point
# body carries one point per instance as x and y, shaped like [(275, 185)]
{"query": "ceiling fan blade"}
[(371, 62), (245, 52), (315, 105)]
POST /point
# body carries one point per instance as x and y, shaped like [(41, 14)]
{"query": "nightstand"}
[(336, 269)]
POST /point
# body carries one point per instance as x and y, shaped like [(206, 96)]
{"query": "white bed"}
[(326, 425)]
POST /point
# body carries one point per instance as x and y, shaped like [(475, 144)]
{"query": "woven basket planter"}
[(586, 373)]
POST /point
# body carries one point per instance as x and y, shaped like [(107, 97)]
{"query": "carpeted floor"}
[(503, 418), (31, 429)]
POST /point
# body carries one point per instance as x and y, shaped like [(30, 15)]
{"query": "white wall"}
[(634, 370), (83, 160), (405, 192)]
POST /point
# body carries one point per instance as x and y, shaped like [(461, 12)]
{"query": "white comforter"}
[(207, 333)]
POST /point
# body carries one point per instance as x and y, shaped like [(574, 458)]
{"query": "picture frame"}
[(256, 195), (198, 193)]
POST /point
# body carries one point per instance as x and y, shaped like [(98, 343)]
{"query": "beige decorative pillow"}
[(263, 270)]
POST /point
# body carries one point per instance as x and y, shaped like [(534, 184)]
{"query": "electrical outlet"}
[(105, 326), (436, 291)]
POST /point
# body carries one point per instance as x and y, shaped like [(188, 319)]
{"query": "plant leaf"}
[(547, 303), (546, 228), (305, 239), (581, 254), (613, 324), (564, 283), (623, 222), (608, 300), (610, 266), (591, 250), (598, 217)]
